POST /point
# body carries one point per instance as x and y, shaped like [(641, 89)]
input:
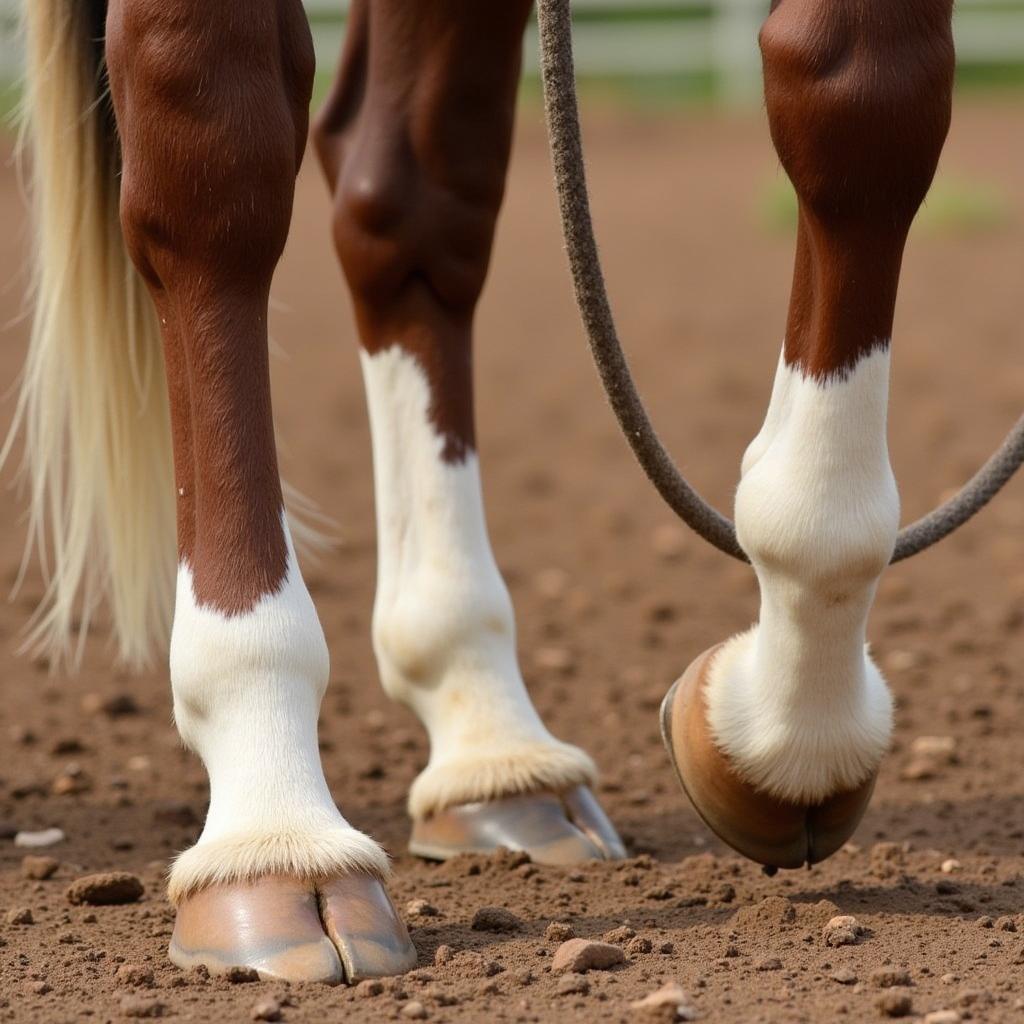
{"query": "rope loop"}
[(562, 112)]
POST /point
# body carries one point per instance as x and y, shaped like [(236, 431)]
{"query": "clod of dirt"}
[(1006, 924), (266, 1009), (772, 913), (669, 1003), (772, 963), (39, 868), (241, 975), (420, 908), (20, 915), (106, 889), (495, 919), (442, 955), (581, 955), (942, 1017), (618, 935), (572, 984), (638, 945), (843, 930), (142, 1006), (890, 977), (369, 988), (116, 706), (974, 997), (844, 976), (414, 1010), (138, 975), (894, 1004), (559, 931), (34, 840)]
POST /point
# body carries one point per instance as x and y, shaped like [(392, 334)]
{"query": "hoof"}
[(336, 931), (772, 832), (564, 828)]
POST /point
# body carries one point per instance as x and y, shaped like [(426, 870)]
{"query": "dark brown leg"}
[(778, 735), (415, 141), (211, 105)]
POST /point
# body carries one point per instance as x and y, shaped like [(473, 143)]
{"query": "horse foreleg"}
[(778, 733), (212, 112), (415, 141)]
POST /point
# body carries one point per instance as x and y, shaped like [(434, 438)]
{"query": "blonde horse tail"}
[(92, 409)]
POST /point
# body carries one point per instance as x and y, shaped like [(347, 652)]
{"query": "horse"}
[(165, 140)]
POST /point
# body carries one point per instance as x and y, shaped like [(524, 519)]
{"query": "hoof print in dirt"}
[(107, 889)]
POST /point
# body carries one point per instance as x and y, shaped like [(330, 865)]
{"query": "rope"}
[(562, 111)]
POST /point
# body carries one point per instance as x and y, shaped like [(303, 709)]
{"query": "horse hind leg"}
[(212, 114), (777, 735), (415, 140)]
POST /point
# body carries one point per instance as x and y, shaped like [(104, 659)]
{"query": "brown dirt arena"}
[(613, 602)]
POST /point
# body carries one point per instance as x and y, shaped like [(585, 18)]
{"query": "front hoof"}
[(565, 828), (287, 929), (772, 832)]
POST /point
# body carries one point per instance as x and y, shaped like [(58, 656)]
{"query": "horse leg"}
[(212, 113), (778, 734), (414, 141)]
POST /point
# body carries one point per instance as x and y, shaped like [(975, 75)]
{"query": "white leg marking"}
[(443, 628), (247, 691), (796, 702)]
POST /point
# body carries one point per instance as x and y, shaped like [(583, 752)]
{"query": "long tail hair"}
[(92, 409)]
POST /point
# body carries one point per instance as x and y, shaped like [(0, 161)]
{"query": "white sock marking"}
[(796, 702), (444, 632)]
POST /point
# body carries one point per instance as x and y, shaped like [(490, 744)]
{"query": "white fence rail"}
[(640, 38)]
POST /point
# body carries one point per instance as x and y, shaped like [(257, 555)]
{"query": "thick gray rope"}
[(560, 103)]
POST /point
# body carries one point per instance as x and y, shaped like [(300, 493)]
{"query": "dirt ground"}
[(613, 602)]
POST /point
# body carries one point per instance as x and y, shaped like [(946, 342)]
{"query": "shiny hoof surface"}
[(772, 832), (564, 828), (336, 931)]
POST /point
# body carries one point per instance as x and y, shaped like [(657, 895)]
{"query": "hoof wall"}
[(566, 828), (287, 929), (772, 832)]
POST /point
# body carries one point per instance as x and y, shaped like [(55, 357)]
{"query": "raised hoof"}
[(772, 832), (287, 929), (565, 828)]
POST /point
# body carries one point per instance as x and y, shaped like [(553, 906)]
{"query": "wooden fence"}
[(712, 39)]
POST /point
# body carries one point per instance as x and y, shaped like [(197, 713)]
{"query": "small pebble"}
[(843, 930), (771, 963), (369, 988), (106, 889), (668, 1003), (559, 931), (638, 945), (33, 840), (894, 1004), (39, 868), (20, 915), (442, 955), (942, 1017), (581, 955), (266, 1009), (420, 908), (844, 976), (414, 1010), (950, 866)]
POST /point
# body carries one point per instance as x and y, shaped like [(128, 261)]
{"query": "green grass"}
[(954, 207)]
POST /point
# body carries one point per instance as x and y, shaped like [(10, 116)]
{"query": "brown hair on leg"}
[(858, 95), (212, 113)]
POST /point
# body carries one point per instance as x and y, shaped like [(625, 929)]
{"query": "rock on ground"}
[(110, 887), (581, 955)]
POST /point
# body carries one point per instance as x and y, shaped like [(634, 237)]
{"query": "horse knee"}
[(211, 139), (399, 226), (859, 106)]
